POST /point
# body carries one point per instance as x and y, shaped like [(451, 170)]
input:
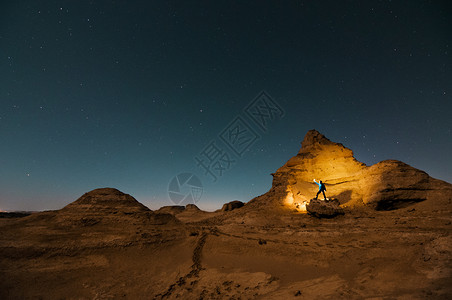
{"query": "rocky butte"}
[(387, 185)]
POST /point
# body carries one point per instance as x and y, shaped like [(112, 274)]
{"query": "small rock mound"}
[(191, 207), (171, 209), (324, 208), (232, 205), (108, 206), (105, 201)]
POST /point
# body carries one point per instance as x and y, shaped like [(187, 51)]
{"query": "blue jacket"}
[(321, 186)]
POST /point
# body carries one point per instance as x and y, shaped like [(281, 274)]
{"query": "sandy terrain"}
[(403, 254), (392, 243)]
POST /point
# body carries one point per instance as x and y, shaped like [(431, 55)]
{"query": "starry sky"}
[(129, 94)]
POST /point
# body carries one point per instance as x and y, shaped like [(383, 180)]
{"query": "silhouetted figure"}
[(322, 189)]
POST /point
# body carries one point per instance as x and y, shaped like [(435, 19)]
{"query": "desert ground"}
[(403, 254), (392, 241)]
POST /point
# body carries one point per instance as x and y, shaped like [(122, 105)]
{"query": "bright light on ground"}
[(295, 201), (301, 207)]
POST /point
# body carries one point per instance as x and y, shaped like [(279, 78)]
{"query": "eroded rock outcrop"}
[(171, 209), (387, 185), (105, 201), (191, 207), (109, 205), (232, 205), (324, 208)]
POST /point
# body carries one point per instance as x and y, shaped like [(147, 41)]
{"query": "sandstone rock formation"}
[(387, 185), (192, 207), (324, 209), (105, 201), (232, 205), (108, 205), (171, 209)]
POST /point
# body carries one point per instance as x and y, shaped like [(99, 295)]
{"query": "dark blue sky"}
[(126, 95)]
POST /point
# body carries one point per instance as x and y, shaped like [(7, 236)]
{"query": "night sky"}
[(129, 94)]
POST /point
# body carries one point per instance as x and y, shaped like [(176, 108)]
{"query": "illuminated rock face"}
[(389, 184)]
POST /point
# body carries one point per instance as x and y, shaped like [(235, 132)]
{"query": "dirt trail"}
[(190, 279)]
